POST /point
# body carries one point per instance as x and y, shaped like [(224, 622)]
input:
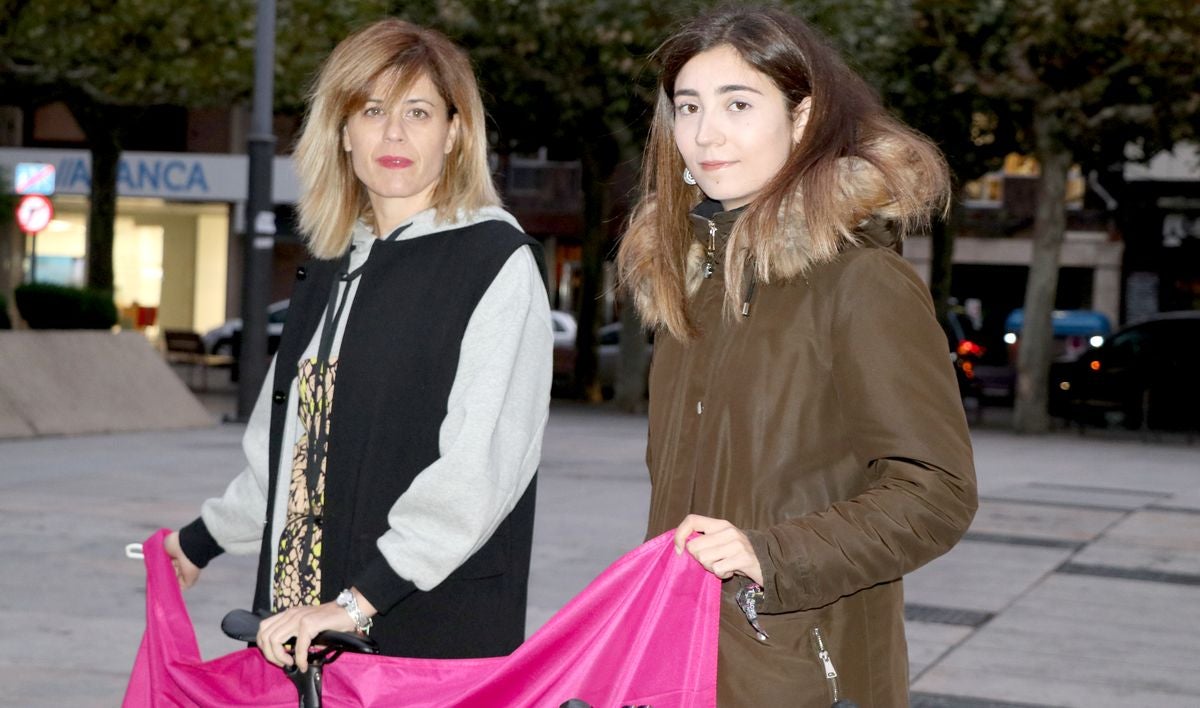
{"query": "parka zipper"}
[(710, 253), (831, 674), (709, 267)]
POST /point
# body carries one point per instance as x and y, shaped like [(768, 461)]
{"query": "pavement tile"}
[(1078, 495), (1150, 540), (1112, 554), (927, 642), (932, 700), (1184, 501), (992, 685), (986, 577), (1052, 521), (1166, 530), (61, 686), (1077, 641)]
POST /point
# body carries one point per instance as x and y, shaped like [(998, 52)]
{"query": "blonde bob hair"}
[(854, 162), (397, 53)]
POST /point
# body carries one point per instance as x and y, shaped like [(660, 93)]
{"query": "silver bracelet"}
[(349, 603)]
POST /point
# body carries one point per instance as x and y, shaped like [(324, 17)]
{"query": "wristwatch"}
[(349, 603)]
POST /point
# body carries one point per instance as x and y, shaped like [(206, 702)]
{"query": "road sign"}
[(34, 213), (34, 178)]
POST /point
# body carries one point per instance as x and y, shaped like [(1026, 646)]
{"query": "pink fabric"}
[(643, 633)]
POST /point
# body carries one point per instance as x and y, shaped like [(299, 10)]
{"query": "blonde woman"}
[(804, 418), (389, 484)]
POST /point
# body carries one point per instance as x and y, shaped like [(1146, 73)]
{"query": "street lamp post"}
[(259, 239)]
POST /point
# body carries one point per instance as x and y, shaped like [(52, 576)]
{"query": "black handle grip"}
[(242, 625)]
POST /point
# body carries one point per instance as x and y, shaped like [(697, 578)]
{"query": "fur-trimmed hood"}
[(791, 250)]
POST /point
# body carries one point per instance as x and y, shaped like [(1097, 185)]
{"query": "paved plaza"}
[(1078, 584)]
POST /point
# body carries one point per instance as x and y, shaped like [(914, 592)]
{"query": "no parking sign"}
[(34, 213), (34, 178)]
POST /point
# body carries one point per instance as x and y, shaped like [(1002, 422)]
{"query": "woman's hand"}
[(722, 549), (186, 571), (303, 624)]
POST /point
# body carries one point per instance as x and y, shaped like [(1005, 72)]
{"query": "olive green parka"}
[(826, 425)]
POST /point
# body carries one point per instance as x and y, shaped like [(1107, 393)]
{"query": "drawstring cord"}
[(750, 274)]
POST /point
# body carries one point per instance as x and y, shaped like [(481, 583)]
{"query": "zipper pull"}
[(711, 251), (830, 672), (823, 654)]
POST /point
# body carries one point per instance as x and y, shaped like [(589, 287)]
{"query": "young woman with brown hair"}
[(804, 418)]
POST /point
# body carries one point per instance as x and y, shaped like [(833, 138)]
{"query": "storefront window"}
[(170, 260), (61, 249), (137, 272)]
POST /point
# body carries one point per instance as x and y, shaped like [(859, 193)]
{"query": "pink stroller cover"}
[(642, 633)]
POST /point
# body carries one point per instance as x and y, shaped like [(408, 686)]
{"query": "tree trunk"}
[(941, 264), (1030, 413), (630, 387), (597, 162), (12, 252), (103, 135)]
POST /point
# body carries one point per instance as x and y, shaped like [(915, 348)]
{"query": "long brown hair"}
[(847, 130), (332, 197)]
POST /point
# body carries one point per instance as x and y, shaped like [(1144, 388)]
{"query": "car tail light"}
[(968, 369), (968, 348)]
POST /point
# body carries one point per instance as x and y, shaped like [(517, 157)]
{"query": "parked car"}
[(219, 340), (565, 328), (966, 352), (1074, 332), (1146, 375), (608, 351)]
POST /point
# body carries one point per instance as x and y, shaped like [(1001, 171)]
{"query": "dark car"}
[(220, 340), (564, 326), (966, 352), (1146, 375), (1074, 332)]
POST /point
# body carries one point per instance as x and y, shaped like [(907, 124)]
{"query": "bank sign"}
[(175, 177), (171, 176)]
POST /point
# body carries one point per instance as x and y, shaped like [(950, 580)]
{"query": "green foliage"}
[(45, 306), (1101, 74), (151, 52), (556, 73), (306, 31), (131, 52)]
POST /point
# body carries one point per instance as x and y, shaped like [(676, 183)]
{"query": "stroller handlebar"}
[(242, 625)]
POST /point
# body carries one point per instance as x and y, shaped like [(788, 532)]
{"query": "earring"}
[(687, 176)]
